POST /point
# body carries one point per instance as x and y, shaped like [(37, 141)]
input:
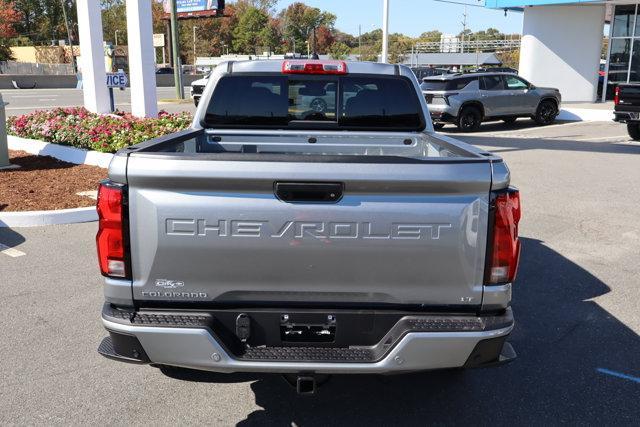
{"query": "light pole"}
[(175, 49), (385, 31), (194, 49), (308, 53), (116, 37)]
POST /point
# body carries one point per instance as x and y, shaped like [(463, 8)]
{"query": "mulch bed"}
[(46, 183)]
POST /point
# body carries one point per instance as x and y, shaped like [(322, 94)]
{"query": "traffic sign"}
[(118, 79)]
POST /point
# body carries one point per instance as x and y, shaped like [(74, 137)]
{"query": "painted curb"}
[(60, 152), (38, 218), (585, 115)]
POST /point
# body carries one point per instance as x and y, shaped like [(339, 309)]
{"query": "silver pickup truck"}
[(273, 237)]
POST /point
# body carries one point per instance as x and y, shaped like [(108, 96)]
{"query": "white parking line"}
[(14, 253)]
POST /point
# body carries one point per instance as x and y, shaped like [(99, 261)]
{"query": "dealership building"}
[(562, 44)]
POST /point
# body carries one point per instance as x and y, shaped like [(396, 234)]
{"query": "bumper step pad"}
[(308, 354)]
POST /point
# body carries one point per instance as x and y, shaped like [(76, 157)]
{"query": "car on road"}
[(627, 108), (164, 70), (467, 100), (273, 237)]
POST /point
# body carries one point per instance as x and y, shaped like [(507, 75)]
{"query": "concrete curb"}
[(38, 218), (61, 152), (67, 154), (585, 115)]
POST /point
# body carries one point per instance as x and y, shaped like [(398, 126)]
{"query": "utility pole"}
[(175, 48), (385, 31), (66, 24), (359, 42), (116, 37), (464, 29), (194, 49)]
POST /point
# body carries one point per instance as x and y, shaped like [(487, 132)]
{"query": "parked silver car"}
[(467, 100)]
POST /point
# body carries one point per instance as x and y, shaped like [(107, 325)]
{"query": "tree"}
[(114, 18), (339, 50), (248, 31), (300, 21), (324, 39), (43, 20), (510, 58), (270, 36), (348, 39), (430, 36), (9, 17)]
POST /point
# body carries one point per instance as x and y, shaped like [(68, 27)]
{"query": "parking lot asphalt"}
[(576, 302)]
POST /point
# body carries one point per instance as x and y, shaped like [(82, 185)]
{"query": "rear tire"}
[(469, 119), (196, 101), (633, 129), (546, 113)]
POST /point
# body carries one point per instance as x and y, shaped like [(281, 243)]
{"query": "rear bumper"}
[(626, 116), (442, 113), (199, 347)]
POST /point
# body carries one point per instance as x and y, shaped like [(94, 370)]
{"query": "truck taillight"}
[(314, 67), (504, 246), (112, 252), (616, 96)]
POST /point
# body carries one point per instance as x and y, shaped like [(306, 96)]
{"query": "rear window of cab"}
[(358, 102)]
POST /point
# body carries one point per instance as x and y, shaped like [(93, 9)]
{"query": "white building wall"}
[(561, 47)]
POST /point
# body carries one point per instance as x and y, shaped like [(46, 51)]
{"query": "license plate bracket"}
[(321, 329)]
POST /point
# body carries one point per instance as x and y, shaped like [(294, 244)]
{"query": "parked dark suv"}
[(467, 100)]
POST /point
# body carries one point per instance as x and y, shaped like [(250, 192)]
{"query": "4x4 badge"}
[(169, 284)]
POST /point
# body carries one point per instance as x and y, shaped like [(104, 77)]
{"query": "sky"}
[(413, 17)]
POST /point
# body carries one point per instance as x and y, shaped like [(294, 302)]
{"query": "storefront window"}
[(623, 21), (619, 62)]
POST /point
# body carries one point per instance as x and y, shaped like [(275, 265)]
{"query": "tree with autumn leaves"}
[(9, 17)]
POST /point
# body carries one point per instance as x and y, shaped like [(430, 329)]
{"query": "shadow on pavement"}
[(500, 126), (561, 337), (9, 237), (506, 143)]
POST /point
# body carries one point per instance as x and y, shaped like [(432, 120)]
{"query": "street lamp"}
[(116, 37), (194, 49), (385, 31)]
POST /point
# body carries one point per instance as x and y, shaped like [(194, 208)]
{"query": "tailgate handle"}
[(310, 192)]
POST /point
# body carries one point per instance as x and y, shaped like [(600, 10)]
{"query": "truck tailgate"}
[(629, 96), (214, 231)]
